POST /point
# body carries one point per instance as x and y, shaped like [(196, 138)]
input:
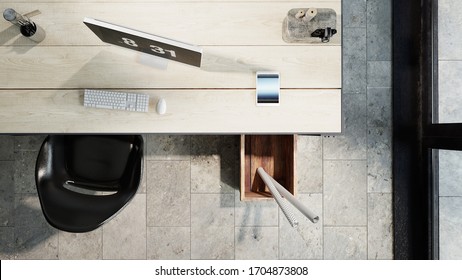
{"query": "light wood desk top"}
[(41, 85)]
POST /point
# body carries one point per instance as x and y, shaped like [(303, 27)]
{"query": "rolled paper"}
[(302, 208), (279, 191), (277, 196), (310, 14), (300, 14)]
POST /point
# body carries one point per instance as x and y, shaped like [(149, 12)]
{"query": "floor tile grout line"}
[(367, 131), (367, 128), (381, 87), (279, 235), (256, 226), (102, 241), (167, 160), (234, 223), (346, 226), (346, 159), (57, 247), (190, 200), (221, 153), (322, 199), (220, 193)]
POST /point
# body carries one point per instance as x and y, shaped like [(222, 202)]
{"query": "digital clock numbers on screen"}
[(156, 49), (145, 42)]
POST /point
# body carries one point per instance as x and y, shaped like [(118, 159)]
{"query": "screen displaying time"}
[(146, 43)]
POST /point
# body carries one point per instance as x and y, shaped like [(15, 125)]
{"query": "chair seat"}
[(84, 180)]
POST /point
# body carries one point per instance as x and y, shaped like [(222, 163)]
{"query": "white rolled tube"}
[(287, 195), (277, 196), (302, 208), (310, 14)]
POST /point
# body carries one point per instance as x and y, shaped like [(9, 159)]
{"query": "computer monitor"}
[(146, 43)]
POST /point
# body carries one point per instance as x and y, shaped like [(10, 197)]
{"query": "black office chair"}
[(85, 180)]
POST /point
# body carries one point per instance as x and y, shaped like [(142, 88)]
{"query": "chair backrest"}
[(97, 158)]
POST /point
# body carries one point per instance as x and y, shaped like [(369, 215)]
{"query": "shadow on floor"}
[(30, 238)]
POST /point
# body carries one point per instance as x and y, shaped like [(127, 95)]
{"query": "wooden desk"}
[(41, 85)]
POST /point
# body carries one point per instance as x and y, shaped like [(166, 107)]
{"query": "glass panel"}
[(449, 99), (449, 170)]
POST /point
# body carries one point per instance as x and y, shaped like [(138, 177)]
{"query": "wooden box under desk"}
[(276, 154)]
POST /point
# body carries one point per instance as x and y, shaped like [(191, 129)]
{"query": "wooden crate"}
[(276, 154)]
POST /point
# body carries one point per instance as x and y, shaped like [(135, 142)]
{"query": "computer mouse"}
[(161, 106)]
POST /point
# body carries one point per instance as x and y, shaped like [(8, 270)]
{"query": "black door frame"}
[(415, 135)]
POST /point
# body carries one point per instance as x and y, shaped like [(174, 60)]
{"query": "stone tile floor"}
[(188, 206), (449, 111)]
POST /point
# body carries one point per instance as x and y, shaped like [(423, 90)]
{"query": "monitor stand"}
[(152, 61)]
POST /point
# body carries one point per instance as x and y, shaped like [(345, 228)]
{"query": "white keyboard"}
[(137, 102)]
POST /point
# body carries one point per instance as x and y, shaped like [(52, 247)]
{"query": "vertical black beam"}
[(409, 201)]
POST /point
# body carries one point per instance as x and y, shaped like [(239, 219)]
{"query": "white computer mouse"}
[(161, 106)]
